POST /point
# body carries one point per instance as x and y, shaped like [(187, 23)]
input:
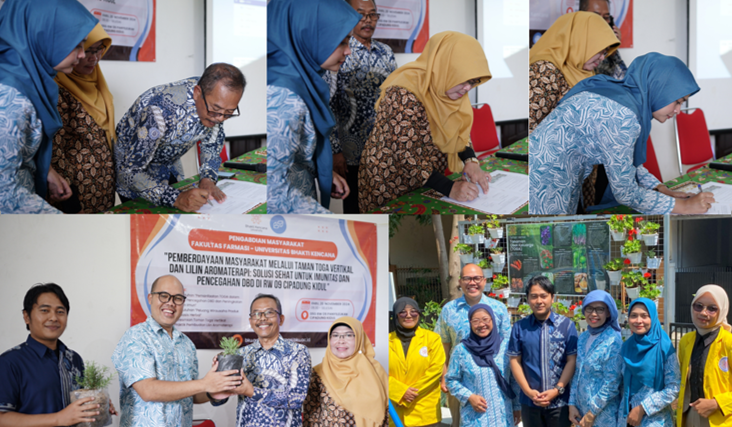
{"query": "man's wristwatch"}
[(560, 389)]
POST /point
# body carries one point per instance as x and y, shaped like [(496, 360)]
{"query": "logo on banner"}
[(278, 224)]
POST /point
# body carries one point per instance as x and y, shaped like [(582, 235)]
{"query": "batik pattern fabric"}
[(320, 410), (453, 324), (465, 378), (597, 377), (399, 156), (355, 88), (657, 404), (585, 130), (153, 135), (291, 145), (147, 351), (20, 136), (547, 86), (82, 155), (280, 376), (613, 66)]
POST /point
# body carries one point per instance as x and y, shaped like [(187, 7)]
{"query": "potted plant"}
[(632, 249), (622, 317), (619, 225), (651, 292), (524, 310), (494, 227), (486, 266), (649, 232), (94, 384), (633, 282), (476, 233), (614, 270), (229, 359), (559, 308), (579, 318), (465, 251), (500, 285), (498, 256), (652, 261)]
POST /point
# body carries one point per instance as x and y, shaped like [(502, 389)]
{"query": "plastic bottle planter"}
[(618, 236), (635, 257), (476, 238), (101, 398), (650, 239), (496, 233), (499, 258), (654, 262), (466, 258), (615, 277), (633, 293)]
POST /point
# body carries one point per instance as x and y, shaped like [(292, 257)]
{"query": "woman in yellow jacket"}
[(705, 398), (416, 358)]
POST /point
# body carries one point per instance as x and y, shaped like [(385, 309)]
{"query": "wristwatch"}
[(560, 389), (472, 159)]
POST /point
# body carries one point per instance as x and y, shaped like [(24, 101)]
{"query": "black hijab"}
[(405, 335)]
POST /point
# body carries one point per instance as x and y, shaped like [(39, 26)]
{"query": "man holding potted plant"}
[(38, 376), (158, 366), (453, 324)]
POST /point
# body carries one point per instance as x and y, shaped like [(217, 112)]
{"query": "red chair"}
[(483, 133), (693, 144), (224, 153), (652, 161), (203, 423)]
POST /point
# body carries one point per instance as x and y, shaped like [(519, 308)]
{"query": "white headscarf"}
[(720, 297)]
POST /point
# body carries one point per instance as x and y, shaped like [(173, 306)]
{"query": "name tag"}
[(423, 352), (724, 364)]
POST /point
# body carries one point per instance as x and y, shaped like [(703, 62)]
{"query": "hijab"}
[(301, 35), (720, 297), (645, 356), (571, 41), (652, 82), (484, 349), (35, 36), (405, 335), (91, 90), (449, 59), (357, 383), (603, 297)]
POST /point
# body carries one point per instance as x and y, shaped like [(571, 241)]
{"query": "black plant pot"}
[(229, 362)]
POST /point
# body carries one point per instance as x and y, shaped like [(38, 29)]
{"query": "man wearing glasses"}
[(277, 371), (453, 324), (163, 124), (158, 367), (354, 91)]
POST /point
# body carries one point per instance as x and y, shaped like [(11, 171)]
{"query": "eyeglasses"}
[(164, 297), (473, 82), (484, 321), (94, 52), (345, 337), (699, 307), (372, 16), (269, 314), (216, 115), (596, 310), (411, 313), (468, 279), (643, 316)]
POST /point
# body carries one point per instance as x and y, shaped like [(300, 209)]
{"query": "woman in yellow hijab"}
[(82, 148), (349, 387), (422, 127), (567, 53)]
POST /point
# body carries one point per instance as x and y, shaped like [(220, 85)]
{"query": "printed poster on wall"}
[(131, 24), (571, 255), (403, 25), (320, 269)]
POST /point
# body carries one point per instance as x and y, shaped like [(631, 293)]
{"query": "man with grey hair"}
[(163, 124)]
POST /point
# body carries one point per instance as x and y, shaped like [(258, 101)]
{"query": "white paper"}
[(241, 196), (722, 196), (508, 191)]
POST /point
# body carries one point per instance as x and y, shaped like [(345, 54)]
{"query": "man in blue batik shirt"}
[(38, 376), (453, 324), (163, 124), (277, 371), (354, 91), (543, 351), (158, 366)]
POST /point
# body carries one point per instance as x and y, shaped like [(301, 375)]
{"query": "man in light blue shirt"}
[(453, 324), (158, 366)]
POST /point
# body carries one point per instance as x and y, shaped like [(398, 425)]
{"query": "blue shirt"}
[(543, 347), (34, 381), (147, 351), (153, 135), (280, 376)]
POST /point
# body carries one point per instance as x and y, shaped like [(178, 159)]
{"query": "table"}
[(142, 206), (415, 203)]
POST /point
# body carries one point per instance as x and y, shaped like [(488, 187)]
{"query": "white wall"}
[(89, 256)]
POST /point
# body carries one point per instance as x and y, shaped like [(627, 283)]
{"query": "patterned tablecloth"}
[(142, 206), (415, 202)]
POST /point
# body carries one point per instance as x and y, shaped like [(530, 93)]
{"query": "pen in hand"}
[(699, 187)]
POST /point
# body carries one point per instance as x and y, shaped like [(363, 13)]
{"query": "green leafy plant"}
[(631, 246), (463, 249), (651, 254), (614, 265), (500, 281), (430, 314), (230, 345), (648, 227), (496, 250), (493, 222), (559, 308), (651, 292), (96, 377), (524, 310), (476, 229), (618, 305), (620, 223), (633, 279), (484, 264)]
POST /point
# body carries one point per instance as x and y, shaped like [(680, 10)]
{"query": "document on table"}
[(241, 197), (722, 196), (507, 193)]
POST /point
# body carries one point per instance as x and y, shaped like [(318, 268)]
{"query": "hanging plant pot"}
[(656, 301), (230, 362), (503, 291), (626, 334), (635, 257), (622, 318), (650, 239), (615, 276), (618, 236), (487, 272), (633, 293), (499, 258), (600, 285), (101, 398), (496, 233), (476, 238), (466, 258), (582, 324), (654, 262)]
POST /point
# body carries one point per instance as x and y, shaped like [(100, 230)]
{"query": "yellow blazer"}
[(421, 369), (717, 376)]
